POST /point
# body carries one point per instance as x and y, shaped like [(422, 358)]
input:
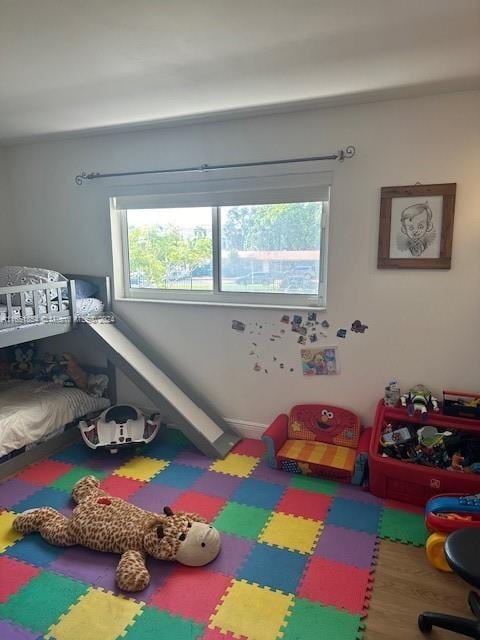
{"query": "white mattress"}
[(31, 410)]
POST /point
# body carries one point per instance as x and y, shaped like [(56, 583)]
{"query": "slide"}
[(177, 404)]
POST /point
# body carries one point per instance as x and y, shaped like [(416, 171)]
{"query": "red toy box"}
[(415, 483)]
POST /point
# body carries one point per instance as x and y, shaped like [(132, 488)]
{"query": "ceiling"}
[(69, 66)]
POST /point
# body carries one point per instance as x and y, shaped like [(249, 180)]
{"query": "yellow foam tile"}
[(98, 614), (251, 611), (291, 532), (235, 464), (141, 468), (8, 535)]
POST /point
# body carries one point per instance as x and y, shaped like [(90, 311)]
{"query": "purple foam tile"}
[(104, 461), (10, 631), (356, 493), (13, 491), (216, 484), (233, 553), (193, 459), (159, 570), (94, 567), (267, 474), (154, 497), (351, 547)]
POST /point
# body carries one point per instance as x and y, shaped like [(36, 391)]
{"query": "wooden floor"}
[(405, 585)]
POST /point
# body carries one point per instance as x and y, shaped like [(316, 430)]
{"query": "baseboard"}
[(247, 429)]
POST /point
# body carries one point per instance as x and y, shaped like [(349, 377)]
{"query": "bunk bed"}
[(38, 416)]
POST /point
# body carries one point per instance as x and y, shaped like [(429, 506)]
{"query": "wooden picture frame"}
[(416, 226)]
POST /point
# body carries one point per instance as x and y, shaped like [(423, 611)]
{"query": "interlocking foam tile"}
[(242, 520), (155, 625), (7, 535), (216, 634), (258, 493), (354, 515), (34, 550), (44, 472), (39, 604), (336, 584), (141, 468), (178, 475), (108, 462), (232, 555), (13, 575), (403, 506), (154, 497), (75, 454), (347, 545), (274, 568), (252, 611), (235, 465), (274, 476), (351, 492), (214, 484), (313, 621), (193, 459), (10, 631), (318, 485), (162, 449), (121, 487), (403, 526), (45, 497), (250, 447), (174, 436), (14, 490), (291, 532), (67, 481), (305, 504), (86, 565), (191, 592), (96, 615), (206, 506)]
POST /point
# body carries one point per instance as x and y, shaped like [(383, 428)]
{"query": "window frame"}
[(216, 296)]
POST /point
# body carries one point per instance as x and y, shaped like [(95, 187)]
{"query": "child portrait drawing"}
[(416, 227)]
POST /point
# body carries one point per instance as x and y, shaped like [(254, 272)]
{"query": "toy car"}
[(118, 427), (445, 514)]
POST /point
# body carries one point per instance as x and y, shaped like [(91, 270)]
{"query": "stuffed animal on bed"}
[(105, 523)]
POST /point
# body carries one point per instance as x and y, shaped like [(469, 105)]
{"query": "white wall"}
[(6, 237), (423, 325)]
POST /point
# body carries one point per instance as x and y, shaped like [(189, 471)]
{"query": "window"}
[(233, 251)]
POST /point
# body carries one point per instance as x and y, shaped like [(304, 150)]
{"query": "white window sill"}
[(208, 303)]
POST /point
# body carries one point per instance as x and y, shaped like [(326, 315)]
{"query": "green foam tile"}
[(242, 520), (153, 623), (42, 601), (317, 485), (403, 526), (174, 436), (311, 621), (69, 479)]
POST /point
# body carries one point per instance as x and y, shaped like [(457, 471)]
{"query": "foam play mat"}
[(297, 560)]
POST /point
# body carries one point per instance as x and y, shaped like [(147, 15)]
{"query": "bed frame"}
[(43, 325)]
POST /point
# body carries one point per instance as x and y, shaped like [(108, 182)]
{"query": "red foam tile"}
[(216, 634), (192, 592), (305, 503), (250, 447), (206, 506), (13, 576), (45, 472), (336, 584), (404, 506), (120, 487)]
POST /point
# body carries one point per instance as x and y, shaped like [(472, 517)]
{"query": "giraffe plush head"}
[(184, 537)]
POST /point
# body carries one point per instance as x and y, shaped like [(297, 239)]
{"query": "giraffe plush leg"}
[(132, 574), (85, 488), (52, 525)]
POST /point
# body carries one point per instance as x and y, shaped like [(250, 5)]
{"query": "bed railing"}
[(34, 303)]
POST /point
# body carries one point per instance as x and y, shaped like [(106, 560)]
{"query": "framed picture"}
[(416, 226)]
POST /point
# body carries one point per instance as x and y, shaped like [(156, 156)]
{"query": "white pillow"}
[(17, 276)]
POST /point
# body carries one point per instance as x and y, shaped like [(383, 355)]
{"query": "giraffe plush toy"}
[(105, 523)]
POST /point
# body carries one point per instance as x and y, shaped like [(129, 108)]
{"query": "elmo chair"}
[(319, 440)]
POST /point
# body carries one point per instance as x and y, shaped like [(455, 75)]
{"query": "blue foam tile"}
[(275, 568), (75, 454), (258, 493), (46, 497), (162, 450), (35, 550), (354, 514), (178, 475)]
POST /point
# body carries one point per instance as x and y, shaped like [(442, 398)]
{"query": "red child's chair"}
[(319, 440)]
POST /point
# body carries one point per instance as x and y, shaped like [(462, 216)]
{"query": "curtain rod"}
[(341, 155)]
